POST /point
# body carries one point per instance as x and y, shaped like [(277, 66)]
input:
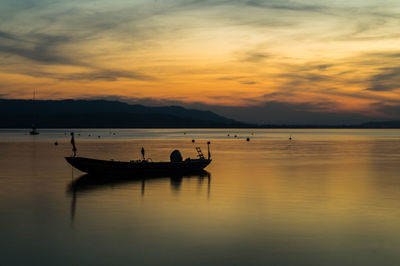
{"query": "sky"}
[(251, 60)]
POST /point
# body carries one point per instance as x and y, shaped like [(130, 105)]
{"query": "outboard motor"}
[(176, 156)]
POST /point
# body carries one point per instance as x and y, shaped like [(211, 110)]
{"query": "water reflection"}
[(89, 182)]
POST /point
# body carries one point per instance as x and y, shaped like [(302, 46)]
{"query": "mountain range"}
[(105, 114), (115, 114)]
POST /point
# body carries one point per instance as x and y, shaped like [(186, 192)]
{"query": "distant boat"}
[(34, 130), (145, 166)]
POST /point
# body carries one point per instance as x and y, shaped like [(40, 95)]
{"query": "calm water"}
[(328, 197)]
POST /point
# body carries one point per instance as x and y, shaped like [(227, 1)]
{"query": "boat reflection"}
[(90, 182)]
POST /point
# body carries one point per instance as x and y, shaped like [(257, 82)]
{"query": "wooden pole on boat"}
[(208, 147), (73, 144)]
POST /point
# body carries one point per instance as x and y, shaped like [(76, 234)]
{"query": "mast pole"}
[(34, 109)]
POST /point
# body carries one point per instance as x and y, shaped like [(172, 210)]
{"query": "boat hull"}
[(105, 167)]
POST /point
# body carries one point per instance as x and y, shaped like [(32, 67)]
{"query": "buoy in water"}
[(56, 143), (193, 140), (247, 139)]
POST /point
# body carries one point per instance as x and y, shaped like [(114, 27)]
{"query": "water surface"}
[(328, 197)]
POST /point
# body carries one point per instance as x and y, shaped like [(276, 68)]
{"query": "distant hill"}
[(114, 114), (368, 125), (384, 124), (105, 114)]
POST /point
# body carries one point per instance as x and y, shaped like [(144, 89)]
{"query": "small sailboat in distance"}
[(34, 130)]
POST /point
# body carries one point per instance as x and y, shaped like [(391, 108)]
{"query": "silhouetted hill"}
[(105, 114), (114, 114), (368, 125), (384, 124)]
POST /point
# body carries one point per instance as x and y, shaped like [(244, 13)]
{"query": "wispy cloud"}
[(327, 54), (255, 56), (42, 48), (389, 110), (387, 80)]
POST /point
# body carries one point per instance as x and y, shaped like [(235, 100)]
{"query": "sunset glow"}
[(331, 55)]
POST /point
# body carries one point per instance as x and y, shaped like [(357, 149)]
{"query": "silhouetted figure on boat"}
[(73, 143), (143, 153)]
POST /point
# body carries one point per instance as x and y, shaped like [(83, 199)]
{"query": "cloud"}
[(248, 82), (44, 49), (281, 48), (286, 5), (387, 80), (108, 75), (388, 110), (95, 75), (41, 48), (255, 56), (6, 35)]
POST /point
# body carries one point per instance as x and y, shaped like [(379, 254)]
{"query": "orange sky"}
[(334, 55)]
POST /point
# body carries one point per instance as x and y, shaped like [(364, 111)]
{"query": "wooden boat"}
[(95, 166), (111, 167)]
